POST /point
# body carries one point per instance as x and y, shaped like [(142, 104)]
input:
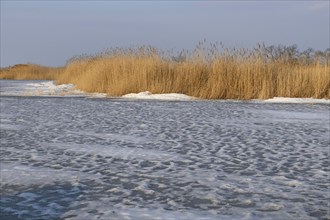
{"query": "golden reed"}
[(210, 73)]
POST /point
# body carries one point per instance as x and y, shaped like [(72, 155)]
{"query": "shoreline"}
[(48, 88)]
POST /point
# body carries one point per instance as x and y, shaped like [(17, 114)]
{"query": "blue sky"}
[(50, 32)]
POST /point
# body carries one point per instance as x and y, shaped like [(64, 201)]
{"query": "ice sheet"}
[(76, 158)]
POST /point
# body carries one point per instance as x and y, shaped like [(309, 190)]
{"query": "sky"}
[(50, 32)]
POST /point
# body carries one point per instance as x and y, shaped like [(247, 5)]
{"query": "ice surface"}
[(82, 158), (12, 174)]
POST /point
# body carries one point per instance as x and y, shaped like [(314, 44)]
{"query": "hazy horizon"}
[(49, 33)]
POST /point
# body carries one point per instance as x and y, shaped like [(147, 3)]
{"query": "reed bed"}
[(212, 72), (30, 71)]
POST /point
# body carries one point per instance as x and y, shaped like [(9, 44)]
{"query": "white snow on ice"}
[(297, 100), (49, 88), (165, 96), (44, 88), (38, 88)]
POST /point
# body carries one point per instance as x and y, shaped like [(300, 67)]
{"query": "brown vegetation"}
[(30, 71), (212, 73)]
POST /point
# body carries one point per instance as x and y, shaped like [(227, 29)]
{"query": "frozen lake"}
[(76, 157)]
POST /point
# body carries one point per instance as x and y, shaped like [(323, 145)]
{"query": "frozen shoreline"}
[(48, 88)]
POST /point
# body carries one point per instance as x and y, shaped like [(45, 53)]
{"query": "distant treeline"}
[(210, 72)]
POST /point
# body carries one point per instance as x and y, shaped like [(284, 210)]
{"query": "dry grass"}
[(30, 71), (204, 73)]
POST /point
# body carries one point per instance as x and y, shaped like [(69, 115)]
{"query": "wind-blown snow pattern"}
[(81, 158)]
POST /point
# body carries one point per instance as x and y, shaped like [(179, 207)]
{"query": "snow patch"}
[(297, 100), (97, 95), (38, 88), (165, 96), (44, 88), (50, 89)]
